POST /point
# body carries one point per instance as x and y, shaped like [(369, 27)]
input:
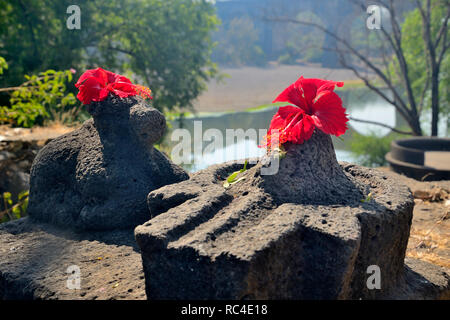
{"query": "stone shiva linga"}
[(98, 177), (311, 230)]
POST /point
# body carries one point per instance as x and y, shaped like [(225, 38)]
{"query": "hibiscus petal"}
[(329, 85), (122, 79), (87, 74), (292, 96), (103, 94), (284, 112), (111, 76), (284, 117), (122, 89), (98, 74), (329, 114), (307, 90), (319, 83), (89, 91), (317, 106), (277, 122), (302, 130), (96, 84), (314, 87)]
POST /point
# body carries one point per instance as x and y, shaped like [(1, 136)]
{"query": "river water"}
[(195, 148)]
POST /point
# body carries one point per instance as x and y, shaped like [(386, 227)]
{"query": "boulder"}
[(98, 177), (312, 230), (38, 261)]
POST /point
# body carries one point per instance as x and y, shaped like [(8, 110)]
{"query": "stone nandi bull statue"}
[(98, 177)]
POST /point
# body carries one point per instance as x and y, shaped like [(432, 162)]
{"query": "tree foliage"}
[(374, 65), (3, 65), (237, 44), (41, 97), (370, 150), (34, 37), (415, 52), (164, 44), (13, 210)]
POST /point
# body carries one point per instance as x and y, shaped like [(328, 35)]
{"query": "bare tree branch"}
[(443, 30), (433, 59), (409, 115), (401, 59), (352, 50), (445, 46), (382, 125), (424, 91), (408, 103), (404, 113)]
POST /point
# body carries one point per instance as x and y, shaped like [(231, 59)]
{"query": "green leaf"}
[(3, 65), (232, 177), (7, 197), (16, 211), (368, 198), (23, 194)]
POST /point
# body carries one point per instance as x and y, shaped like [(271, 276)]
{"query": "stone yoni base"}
[(34, 259), (208, 242)]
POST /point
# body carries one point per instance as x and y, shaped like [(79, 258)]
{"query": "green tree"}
[(419, 63), (42, 97), (237, 44), (34, 37), (163, 44), (375, 66)]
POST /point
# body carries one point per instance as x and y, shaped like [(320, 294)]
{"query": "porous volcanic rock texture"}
[(98, 177), (37, 260), (310, 231)]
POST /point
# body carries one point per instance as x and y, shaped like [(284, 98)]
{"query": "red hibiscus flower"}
[(312, 104), (96, 84)]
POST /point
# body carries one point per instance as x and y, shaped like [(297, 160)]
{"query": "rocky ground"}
[(429, 239), (110, 264), (37, 258), (430, 231)]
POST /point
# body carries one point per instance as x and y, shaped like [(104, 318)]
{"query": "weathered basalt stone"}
[(98, 177), (36, 260), (35, 257), (308, 232)]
